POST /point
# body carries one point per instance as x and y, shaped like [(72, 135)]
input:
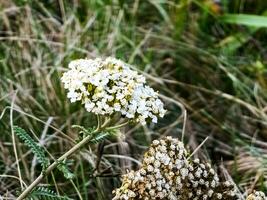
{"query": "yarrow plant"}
[(111, 90), (108, 86)]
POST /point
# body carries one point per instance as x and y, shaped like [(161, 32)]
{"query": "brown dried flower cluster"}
[(257, 195), (167, 173)]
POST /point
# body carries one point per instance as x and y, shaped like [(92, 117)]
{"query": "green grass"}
[(204, 55)]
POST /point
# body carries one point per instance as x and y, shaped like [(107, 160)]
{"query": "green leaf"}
[(62, 166), (38, 151), (244, 19), (42, 193), (96, 137), (160, 7), (99, 137), (231, 43), (83, 131)]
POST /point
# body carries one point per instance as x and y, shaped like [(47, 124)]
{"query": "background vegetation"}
[(201, 54)]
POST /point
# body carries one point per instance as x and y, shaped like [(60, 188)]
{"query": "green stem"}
[(77, 190), (117, 126), (98, 121)]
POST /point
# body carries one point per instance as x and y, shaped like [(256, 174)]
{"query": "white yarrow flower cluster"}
[(107, 86)]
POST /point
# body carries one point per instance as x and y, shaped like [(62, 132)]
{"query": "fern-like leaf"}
[(42, 193), (36, 149), (83, 132), (62, 166), (99, 137)]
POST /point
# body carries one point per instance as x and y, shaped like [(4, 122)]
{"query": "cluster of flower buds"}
[(168, 173), (108, 86), (257, 195)]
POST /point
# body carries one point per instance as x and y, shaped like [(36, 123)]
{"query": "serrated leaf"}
[(99, 137), (35, 148), (83, 131), (42, 193), (65, 170)]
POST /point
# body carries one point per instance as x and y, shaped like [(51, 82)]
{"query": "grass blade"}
[(244, 19)]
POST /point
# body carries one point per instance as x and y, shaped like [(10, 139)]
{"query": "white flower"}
[(131, 194), (106, 86), (150, 168), (184, 172)]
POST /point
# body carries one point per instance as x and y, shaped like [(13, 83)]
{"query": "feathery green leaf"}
[(62, 166), (36, 149), (42, 193)]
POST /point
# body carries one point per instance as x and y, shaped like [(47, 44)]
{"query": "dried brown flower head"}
[(167, 173)]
